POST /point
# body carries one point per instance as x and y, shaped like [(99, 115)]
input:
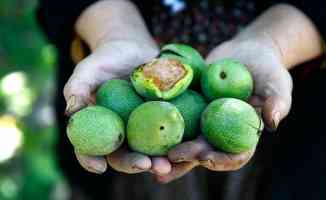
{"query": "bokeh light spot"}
[(8, 188), (17, 95), (10, 138), (13, 83)]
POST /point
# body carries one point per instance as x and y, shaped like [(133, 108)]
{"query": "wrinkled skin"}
[(272, 93), (272, 96), (115, 52), (112, 59)]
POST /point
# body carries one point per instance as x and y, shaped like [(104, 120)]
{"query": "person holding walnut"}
[(122, 34)]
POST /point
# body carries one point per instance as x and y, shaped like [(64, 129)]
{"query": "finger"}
[(82, 83), (273, 93), (94, 164), (275, 109), (129, 162), (188, 151), (219, 161), (178, 170), (111, 60), (273, 82), (160, 166)]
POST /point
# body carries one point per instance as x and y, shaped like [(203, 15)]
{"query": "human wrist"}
[(290, 30), (110, 20), (260, 41)]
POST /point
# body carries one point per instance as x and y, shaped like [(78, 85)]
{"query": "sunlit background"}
[(27, 127)]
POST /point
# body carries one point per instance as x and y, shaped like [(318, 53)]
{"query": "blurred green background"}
[(28, 167)]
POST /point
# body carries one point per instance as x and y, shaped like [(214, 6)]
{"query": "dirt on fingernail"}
[(70, 104)]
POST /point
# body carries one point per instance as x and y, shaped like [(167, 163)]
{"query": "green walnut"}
[(191, 105), (162, 78), (227, 78), (119, 96), (231, 125), (95, 131), (154, 128), (188, 55)]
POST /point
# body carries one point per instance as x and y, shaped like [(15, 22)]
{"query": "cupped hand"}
[(272, 81), (111, 59), (272, 96), (198, 152)]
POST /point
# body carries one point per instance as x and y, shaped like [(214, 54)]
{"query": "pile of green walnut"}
[(173, 98)]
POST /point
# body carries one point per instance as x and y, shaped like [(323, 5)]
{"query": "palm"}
[(114, 59), (272, 94), (199, 152), (273, 83)]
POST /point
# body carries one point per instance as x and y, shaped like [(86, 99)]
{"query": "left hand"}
[(112, 59), (188, 155), (272, 95)]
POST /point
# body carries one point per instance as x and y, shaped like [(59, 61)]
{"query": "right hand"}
[(272, 96), (111, 59)]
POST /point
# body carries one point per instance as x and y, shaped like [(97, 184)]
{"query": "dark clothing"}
[(58, 17), (293, 171)]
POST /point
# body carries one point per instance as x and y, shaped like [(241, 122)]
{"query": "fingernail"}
[(97, 168), (138, 168), (261, 125), (142, 164), (207, 162), (70, 104), (276, 120), (101, 169)]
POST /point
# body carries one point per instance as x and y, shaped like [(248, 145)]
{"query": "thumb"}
[(84, 80), (273, 83), (277, 99), (111, 60), (275, 109)]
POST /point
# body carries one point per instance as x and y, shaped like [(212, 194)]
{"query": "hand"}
[(272, 95), (273, 83), (111, 59), (198, 152)]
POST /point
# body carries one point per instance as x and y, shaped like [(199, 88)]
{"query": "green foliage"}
[(32, 172)]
